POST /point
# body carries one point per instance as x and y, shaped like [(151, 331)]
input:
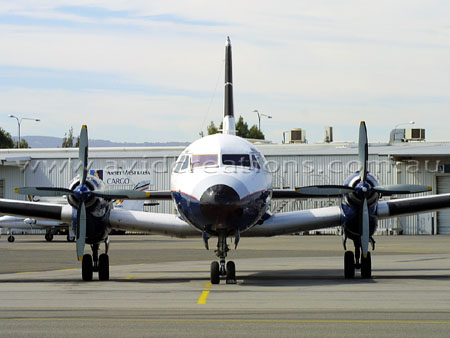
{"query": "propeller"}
[(363, 189), (82, 193)]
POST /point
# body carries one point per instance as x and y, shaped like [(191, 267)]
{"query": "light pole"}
[(259, 118), (401, 124), (19, 122)]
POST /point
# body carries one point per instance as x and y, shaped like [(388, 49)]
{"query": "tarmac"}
[(288, 286)]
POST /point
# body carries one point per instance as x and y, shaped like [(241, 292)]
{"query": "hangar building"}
[(292, 165)]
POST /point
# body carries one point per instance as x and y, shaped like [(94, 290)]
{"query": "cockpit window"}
[(204, 160), (241, 160), (261, 160), (182, 163), (255, 162)]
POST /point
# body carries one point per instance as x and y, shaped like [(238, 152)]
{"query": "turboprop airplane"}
[(222, 188)]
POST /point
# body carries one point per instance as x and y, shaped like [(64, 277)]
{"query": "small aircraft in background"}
[(52, 227)]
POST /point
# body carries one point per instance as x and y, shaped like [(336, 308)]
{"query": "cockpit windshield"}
[(241, 160), (204, 160)]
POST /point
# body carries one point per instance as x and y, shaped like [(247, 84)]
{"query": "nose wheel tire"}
[(87, 268), (349, 265), (215, 273), (366, 266), (103, 267), (11, 239), (48, 237), (231, 273)]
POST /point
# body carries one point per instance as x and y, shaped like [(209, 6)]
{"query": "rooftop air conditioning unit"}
[(415, 134), (297, 135)]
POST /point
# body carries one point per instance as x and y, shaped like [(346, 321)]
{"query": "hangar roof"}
[(411, 149)]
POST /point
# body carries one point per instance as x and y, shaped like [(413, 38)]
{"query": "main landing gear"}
[(96, 263), (356, 261), (219, 269)]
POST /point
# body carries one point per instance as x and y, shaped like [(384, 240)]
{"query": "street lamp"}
[(19, 121), (259, 118), (401, 124)]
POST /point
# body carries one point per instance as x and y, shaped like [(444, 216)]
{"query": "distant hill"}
[(55, 142)]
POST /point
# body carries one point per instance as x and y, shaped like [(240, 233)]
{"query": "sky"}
[(137, 71)]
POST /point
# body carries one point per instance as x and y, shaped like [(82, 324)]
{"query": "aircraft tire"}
[(215, 273), (366, 267), (48, 237), (349, 265), (87, 268), (11, 238), (103, 267), (231, 272)]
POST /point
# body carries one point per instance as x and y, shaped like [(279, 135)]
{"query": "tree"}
[(212, 129), (255, 133), (68, 139), (241, 128), (23, 144), (6, 141)]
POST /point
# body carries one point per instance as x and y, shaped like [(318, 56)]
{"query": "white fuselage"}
[(221, 182)]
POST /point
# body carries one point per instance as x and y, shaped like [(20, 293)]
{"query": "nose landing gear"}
[(218, 270), (357, 261), (94, 263)]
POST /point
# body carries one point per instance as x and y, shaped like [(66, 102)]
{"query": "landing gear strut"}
[(219, 269), (96, 263)]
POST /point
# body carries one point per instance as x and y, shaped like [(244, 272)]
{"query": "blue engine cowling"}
[(352, 207)]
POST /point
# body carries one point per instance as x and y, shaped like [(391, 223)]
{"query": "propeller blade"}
[(122, 194), (43, 191), (81, 231), (363, 151), (325, 190), (365, 229), (83, 154), (401, 189)]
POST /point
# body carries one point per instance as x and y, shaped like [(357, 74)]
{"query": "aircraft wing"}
[(150, 222), (37, 210), (13, 222), (323, 191), (412, 206), (296, 221)]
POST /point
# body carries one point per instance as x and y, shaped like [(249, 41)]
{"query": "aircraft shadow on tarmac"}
[(276, 278)]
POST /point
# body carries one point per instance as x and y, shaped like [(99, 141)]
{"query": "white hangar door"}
[(443, 217)]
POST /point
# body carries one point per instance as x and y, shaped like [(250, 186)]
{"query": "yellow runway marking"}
[(204, 296), (174, 320), (128, 277)]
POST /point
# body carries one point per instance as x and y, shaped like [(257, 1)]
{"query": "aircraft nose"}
[(220, 204), (219, 194)]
